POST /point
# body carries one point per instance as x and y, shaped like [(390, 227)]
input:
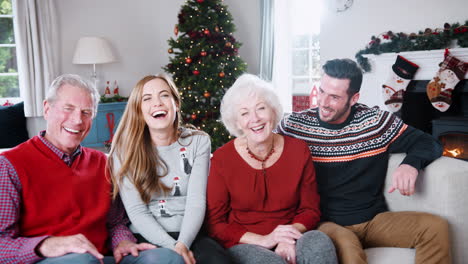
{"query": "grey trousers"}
[(313, 247), (157, 255)]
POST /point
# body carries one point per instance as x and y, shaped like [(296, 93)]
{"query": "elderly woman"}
[(262, 193)]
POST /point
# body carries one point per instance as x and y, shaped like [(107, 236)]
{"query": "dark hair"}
[(345, 69)]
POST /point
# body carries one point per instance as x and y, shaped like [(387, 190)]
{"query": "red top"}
[(241, 199), (59, 200)]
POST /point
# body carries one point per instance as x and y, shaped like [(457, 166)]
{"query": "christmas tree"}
[(204, 64)]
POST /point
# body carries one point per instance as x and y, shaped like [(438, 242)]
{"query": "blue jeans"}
[(157, 255)]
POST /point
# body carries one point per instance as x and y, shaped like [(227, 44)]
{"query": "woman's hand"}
[(287, 252), (281, 234), (182, 250)]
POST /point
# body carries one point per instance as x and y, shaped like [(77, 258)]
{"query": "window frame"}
[(309, 77), (12, 100)]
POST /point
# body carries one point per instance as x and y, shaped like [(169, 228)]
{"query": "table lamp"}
[(93, 50)]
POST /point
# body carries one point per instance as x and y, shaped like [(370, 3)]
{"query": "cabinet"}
[(108, 114)]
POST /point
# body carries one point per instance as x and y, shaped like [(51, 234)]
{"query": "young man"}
[(350, 145), (55, 201)]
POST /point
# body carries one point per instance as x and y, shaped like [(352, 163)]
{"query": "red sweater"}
[(240, 199), (58, 200)]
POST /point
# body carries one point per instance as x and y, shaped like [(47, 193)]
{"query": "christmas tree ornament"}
[(193, 116), (206, 94), (200, 1), (170, 51), (206, 32), (394, 88), (203, 53), (221, 74), (228, 44), (216, 29), (176, 30), (188, 60), (196, 72), (440, 88)]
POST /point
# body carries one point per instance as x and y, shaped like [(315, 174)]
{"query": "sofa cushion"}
[(390, 255), (13, 129)]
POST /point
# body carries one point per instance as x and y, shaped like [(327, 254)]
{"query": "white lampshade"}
[(93, 50)]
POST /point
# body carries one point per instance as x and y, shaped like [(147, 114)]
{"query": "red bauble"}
[(200, 1), (207, 94), (206, 32), (228, 44), (221, 74), (203, 53), (176, 30), (188, 60), (193, 116), (196, 72)]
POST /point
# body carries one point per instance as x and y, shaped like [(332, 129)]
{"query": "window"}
[(9, 87), (296, 64), (305, 52)]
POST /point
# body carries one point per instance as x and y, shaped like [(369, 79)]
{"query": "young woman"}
[(160, 170)]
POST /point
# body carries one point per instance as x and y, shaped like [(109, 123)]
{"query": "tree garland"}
[(427, 40)]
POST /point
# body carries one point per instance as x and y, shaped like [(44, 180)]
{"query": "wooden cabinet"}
[(108, 117)]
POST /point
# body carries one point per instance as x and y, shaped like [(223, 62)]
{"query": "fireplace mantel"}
[(428, 61)]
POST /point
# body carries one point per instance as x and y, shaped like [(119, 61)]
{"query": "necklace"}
[(272, 150)]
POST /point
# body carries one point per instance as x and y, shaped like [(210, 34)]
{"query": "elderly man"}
[(350, 145), (55, 202)]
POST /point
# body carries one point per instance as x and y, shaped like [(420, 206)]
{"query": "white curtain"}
[(282, 62), (37, 51), (267, 40)]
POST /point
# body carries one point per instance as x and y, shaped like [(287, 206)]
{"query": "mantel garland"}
[(429, 39)]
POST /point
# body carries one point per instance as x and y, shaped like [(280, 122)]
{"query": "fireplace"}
[(450, 127)]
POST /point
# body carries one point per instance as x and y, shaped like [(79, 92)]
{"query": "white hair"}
[(77, 81), (248, 86)]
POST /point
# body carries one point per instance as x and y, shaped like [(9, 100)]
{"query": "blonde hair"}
[(133, 147)]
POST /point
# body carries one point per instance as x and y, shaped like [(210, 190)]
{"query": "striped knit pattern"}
[(368, 134)]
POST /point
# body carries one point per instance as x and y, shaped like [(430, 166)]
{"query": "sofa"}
[(441, 190)]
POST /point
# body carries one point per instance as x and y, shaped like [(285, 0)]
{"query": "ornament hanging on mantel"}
[(394, 88), (440, 88)]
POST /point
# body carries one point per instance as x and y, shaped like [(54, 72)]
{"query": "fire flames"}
[(453, 152)]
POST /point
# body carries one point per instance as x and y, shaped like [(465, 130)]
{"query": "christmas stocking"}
[(393, 89), (440, 88)]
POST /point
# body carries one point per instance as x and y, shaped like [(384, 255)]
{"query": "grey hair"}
[(244, 88), (77, 81)]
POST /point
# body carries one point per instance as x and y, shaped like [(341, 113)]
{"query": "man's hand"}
[(62, 245), (126, 247), (404, 179), (287, 252), (182, 250)]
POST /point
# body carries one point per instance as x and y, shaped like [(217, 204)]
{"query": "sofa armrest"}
[(441, 189)]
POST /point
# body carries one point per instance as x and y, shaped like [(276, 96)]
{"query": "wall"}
[(344, 34), (138, 31)]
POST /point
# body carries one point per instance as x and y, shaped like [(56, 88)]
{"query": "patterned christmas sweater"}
[(351, 158)]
